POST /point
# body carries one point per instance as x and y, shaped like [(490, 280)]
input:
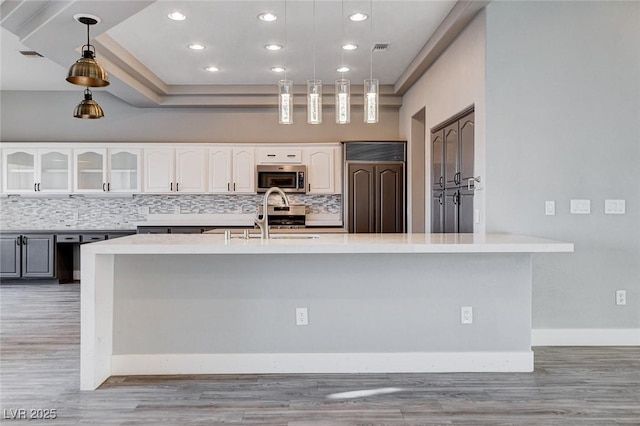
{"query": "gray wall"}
[(47, 117), (563, 115)]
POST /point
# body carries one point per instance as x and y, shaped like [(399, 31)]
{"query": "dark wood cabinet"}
[(452, 153), (376, 199), (27, 256)]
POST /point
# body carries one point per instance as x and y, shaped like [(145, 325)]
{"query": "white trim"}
[(585, 337), (427, 362)]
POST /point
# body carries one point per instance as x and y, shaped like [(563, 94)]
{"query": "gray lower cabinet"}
[(27, 256)]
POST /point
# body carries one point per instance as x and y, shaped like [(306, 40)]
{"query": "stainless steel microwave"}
[(286, 177)]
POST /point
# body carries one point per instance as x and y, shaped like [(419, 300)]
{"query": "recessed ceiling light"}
[(212, 69), (350, 47), (278, 69), (268, 17), (343, 69), (273, 47), (176, 16), (196, 46), (358, 17)]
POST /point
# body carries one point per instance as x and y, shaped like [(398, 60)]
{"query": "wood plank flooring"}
[(39, 369)]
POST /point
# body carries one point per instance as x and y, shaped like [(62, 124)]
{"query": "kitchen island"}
[(206, 304)]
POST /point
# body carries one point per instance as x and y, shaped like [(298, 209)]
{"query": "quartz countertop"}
[(328, 243)]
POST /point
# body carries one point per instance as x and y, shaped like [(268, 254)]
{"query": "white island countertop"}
[(328, 243)]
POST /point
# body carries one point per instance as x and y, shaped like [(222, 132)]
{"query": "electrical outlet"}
[(621, 297), (302, 316), (466, 315), (614, 207), (550, 208), (580, 207)]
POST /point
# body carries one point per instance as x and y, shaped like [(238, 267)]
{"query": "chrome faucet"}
[(263, 223)]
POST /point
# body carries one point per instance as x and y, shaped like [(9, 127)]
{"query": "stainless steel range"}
[(282, 217)]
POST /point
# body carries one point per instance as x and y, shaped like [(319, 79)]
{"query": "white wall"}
[(48, 117), (563, 122), (454, 82)]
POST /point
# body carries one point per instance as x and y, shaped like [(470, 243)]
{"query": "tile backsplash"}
[(87, 212)]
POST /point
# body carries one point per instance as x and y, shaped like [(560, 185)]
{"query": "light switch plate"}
[(580, 207), (614, 207), (550, 208)]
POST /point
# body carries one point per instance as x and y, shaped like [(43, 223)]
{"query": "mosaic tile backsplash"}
[(84, 212)]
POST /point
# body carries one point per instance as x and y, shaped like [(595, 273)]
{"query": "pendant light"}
[(87, 71), (314, 87), (371, 85), (285, 87), (343, 86), (88, 108)]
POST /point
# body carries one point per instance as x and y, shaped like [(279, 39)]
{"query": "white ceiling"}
[(146, 53)]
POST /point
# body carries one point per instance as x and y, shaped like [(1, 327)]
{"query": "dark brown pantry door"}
[(389, 198), (361, 200), (466, 125)]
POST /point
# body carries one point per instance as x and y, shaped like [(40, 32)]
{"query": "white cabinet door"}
[(279, 156), (159, 170), (19, 166), (53, 174), (220, 170), (124, 170), (244, 170), (320, 170), (191, 170), (90, 171)]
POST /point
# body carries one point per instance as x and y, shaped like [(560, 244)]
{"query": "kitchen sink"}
[(294, 236)]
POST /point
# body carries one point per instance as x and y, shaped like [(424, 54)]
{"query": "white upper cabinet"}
[(36, 171), (125, 170), (220, 177), (279, 156), (321, 170), (244, 171), (106, 170), (191, 170), (177, 170)]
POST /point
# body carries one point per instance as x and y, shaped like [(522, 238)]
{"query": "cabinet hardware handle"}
[(228, 187), (104, 186), (177, 186), (24, 240), (108, 186), (38, 187), (455, 198), (35, 185), (291, 155), (19, 240), (440, 199), (171, 186), (271, 155), (234, 186), (309, 187), (440, 181)]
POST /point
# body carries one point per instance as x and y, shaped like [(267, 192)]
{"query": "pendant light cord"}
[(342, 32), (286, 62), (314, 40), (371, 40)]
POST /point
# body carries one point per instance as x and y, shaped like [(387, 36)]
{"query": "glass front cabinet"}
[(36, 171), (107, 170)]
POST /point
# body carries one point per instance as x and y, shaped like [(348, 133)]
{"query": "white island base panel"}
[(150, 307)]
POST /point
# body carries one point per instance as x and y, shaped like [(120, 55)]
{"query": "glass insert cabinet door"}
[(55, 171), (124, 170), (20, 171), (90, 170)]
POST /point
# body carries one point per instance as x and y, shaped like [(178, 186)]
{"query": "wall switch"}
[(550, 208), (614, 207), (466, 315), (302, 317), (580, 206), (621, 297)]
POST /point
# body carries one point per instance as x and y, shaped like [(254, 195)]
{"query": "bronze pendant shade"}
[(88, 108), (87, 71)]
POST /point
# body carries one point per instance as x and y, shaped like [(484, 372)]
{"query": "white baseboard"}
[(585, 337), (422, 362)]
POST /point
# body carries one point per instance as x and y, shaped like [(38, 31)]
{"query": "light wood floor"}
[(39, 369)]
